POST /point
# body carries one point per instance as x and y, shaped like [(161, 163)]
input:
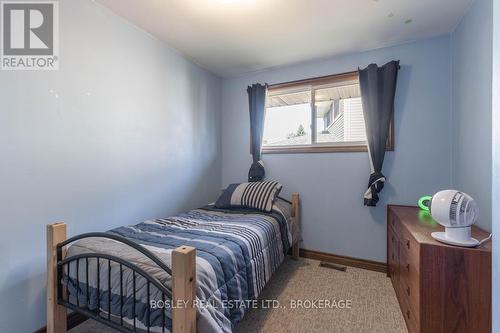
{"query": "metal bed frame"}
[(183, 274)]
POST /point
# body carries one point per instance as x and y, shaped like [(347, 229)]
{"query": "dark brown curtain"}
[(257, 107), (378, 89)]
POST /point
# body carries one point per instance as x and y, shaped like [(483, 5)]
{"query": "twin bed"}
[(187, 273)]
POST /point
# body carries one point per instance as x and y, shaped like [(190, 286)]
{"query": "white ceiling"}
[(231, 37)]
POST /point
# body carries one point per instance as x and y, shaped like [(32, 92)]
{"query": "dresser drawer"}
[(411, 319), (393, 223), (409, 266), (409, 276), (410, 291), (393, 256), (409, 250)]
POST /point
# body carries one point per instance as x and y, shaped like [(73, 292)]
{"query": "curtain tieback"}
[(375, 185), (256, 172)]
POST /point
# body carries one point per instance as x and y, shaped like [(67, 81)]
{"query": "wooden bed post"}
[(296, 216), (184, 290), (56, 314)]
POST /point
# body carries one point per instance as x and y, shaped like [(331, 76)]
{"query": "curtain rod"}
[(314, 79)]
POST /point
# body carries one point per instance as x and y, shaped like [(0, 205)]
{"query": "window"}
[(316, 115)]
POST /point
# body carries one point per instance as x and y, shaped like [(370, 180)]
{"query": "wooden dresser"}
[(440, 288)]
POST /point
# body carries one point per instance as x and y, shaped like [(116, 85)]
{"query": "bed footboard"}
[(56, 313), (182, 297), (184, 289)]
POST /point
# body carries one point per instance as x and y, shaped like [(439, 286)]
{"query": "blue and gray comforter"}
[(236, 254)]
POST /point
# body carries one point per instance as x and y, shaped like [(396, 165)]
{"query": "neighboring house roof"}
[(321, 95), (303, 140)]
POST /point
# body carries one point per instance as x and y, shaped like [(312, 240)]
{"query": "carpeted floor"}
[(374, 307)]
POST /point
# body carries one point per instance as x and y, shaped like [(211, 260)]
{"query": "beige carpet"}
[(374, 305)]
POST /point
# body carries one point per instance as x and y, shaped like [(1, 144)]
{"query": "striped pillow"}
[(257, 195)]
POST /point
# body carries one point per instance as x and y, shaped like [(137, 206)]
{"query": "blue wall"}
[(475, 45), (496, 165), (133, 134), (471, 53), (331, 185)]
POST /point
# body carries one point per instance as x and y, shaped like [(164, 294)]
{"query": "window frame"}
[(326, 147)]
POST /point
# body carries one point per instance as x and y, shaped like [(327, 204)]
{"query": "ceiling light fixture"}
[(228, 2)]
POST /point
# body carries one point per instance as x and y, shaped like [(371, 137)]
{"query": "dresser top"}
[(421, 227)]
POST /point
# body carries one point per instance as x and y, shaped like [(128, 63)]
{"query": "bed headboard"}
[(296, 217), (295, 205)]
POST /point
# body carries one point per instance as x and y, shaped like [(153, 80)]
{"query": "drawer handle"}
[(408, 314), (408, 244), (393, 257), (392, 238), (408, 291), (408, 267)]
